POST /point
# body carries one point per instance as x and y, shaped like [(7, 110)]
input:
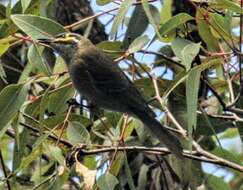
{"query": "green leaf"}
[(77, 133), (117, 164), (3, 48), (55, 152), (129, 128), (128, 174), (230, 133), (142, 178), (186, 51), (166, 11), (181, 77), (223, 153), (37, 27), (120, 16), (26, 72), (58, 99), (178, 44), (138, 44), (192, 87), (174, 22), (139, 21), (43, 106), (216, 183), (26, 161), (151, 16), (226, 4), (220, 27), (107, 181), (102, 2), (208, 126), (188, 54), (40, 140), (204, 30), (25, 4), (21, 142), (35, 58), (12, 98), (114, 49), (59, 118)]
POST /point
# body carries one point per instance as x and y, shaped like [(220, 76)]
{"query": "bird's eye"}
[(62, 35)]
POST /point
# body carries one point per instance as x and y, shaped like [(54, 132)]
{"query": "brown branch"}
[(80, 22), (85, 20), (163, 56), (199, 154)]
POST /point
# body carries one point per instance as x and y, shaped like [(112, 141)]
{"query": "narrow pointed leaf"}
[(120, 16), (12, 98), (138, 44), (107, 181), (174, 22), (37, 27), (35, 58)]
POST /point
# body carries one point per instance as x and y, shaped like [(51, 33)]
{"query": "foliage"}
[(48, 143)]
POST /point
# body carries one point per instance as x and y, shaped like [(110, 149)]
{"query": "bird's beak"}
[(46, 40)]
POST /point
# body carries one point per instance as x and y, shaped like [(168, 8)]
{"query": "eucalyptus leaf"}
[(120, 16), (36, 26), (152, 19), (77, 134), (138, 44), (137, 25), (216, 183), (35, 58), (231, 5), (192, 88), (128, 173), (12, 98), (174, 22), (3, 48), (25, 4), (103, 2), (107, 181)]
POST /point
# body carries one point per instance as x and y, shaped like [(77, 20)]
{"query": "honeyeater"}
[(96, 77)]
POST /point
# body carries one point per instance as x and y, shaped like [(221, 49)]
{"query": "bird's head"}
[(66, 44)]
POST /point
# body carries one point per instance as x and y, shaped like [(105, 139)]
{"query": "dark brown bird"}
[(98, 79)]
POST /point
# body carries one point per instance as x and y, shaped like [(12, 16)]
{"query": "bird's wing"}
[(109, 79)]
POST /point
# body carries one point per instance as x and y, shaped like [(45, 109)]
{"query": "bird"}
[(98, 79)]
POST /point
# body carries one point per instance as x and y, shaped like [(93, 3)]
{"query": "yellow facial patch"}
[(67, 38)]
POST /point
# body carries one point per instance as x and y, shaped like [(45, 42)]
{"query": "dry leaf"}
[(87, 174)]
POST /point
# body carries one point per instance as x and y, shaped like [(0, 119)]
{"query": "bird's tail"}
[(167, 138)]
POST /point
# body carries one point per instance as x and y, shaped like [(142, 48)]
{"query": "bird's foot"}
[(73, 102)]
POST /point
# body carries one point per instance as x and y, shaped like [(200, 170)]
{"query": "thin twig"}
[(85, 20), (163, 56), (167, 111), (199, 154), (4, 170), (240, 48)]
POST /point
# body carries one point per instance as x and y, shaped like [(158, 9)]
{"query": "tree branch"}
[(199, 154)]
